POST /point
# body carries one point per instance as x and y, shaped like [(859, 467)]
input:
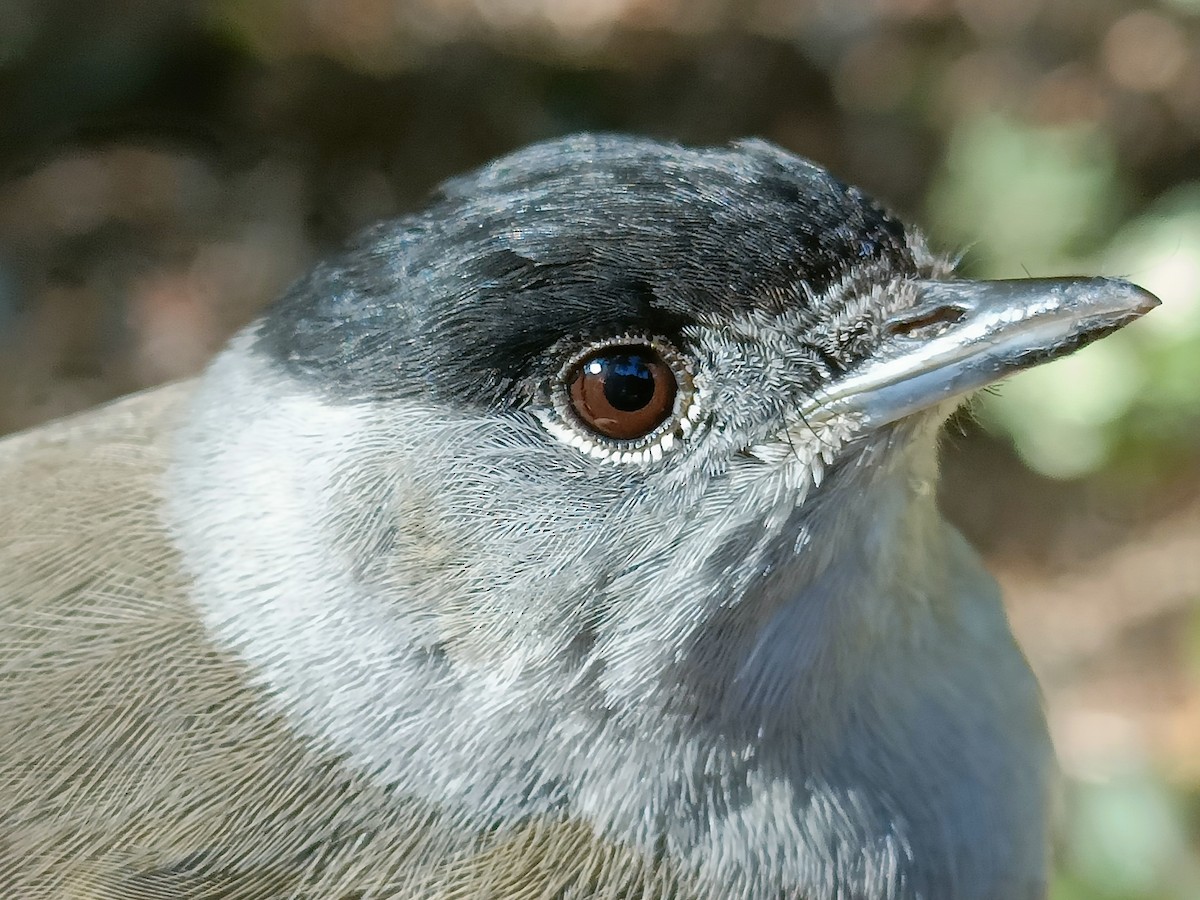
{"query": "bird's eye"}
[(626, 399), (623, 392)]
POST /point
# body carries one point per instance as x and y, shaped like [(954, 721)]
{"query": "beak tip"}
[(1135, 298), (1146, 301)]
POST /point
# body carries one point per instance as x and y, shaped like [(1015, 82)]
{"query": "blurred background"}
[(167, 167)]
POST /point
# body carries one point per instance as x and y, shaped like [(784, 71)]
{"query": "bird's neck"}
[(864, 579)]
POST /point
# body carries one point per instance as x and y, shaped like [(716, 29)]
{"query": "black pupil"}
[(628, 381)]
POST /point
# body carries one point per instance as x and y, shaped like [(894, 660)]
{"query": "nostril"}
[(924, 323)]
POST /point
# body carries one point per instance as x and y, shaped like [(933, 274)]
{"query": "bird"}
[(575, 536)]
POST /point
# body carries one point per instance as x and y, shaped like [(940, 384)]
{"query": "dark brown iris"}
[(623, 392)]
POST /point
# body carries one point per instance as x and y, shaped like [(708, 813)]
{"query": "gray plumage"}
[(364, 612)]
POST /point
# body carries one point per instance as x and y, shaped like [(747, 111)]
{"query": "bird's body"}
[(379, 607), (145, 756)]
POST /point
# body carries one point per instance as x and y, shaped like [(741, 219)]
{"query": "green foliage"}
[(1024, 197), (1126, 841)]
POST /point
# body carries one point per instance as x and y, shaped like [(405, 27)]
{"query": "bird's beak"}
[(958, 336)]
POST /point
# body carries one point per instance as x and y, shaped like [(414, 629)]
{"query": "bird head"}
[(611, 419)]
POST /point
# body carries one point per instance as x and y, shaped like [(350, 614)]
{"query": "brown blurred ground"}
[(165, 168)]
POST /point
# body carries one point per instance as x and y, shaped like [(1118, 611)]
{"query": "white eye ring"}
[(566, 424)]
